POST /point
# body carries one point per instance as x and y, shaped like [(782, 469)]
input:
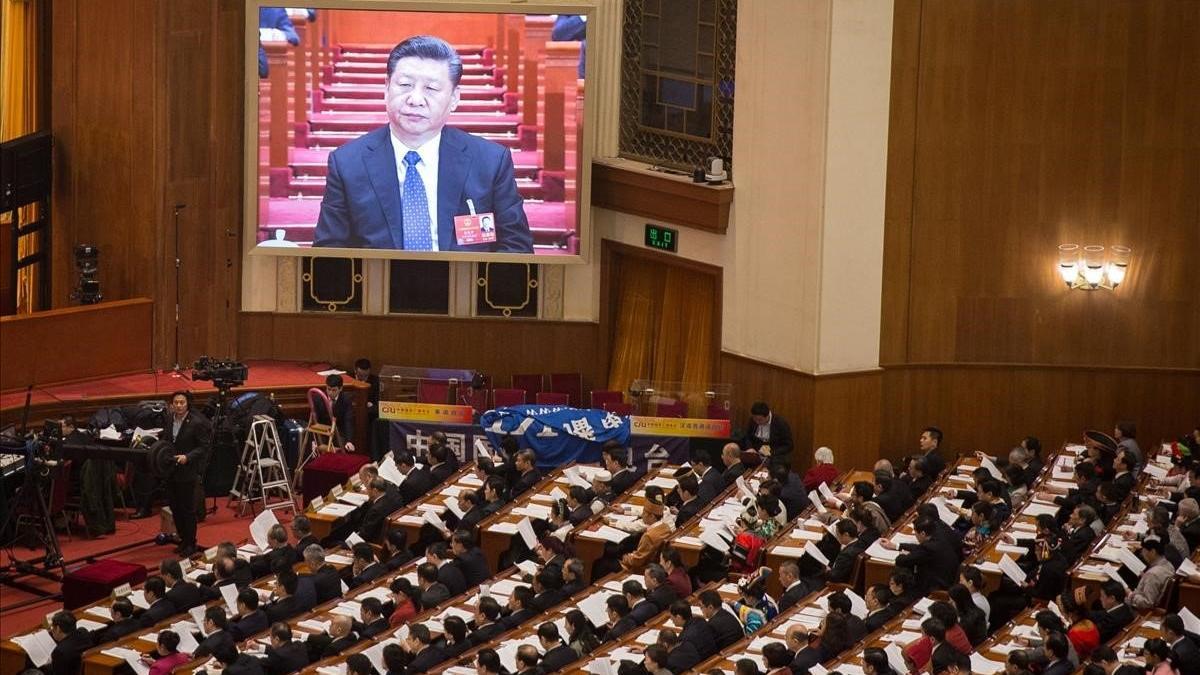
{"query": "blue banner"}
[(557, 434)]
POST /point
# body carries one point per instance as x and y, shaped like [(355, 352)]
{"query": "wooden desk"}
[(686, 539), (323, 523), (412, 517)]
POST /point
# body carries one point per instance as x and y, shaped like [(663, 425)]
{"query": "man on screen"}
[(403, 186)]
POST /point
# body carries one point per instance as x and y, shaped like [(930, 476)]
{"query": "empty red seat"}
[(505, 397), (551, 398)]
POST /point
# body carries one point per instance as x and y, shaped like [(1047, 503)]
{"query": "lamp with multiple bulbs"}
[(1088, 268)]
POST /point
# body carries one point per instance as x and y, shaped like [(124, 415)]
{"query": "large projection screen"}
[(450, 130)]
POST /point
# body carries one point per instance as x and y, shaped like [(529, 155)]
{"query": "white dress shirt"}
[(428, 169)]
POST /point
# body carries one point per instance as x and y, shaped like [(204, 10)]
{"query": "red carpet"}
[(224, 525)]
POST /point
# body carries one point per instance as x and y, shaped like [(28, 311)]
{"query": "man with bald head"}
[(731, 457), (341, 630)]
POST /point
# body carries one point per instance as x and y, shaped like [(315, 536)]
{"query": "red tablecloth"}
[(97, 580), (326, 471)]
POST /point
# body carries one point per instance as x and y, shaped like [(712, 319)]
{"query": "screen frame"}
[(250, 177)]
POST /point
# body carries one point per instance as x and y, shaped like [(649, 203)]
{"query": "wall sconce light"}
[(1087, 268)]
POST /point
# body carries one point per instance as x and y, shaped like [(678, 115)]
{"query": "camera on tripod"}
[(224, 374)]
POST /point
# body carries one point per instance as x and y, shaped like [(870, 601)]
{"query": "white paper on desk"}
[(858, 606), (528, 567), (984, 666), (1131, 561), (903, 637), (1190, 622), (375, 653), (187, 643), (1113, 572), (595, 607), (88, 624), (452, 504), (101, 611), (261, 525), (229, 593), (876, 550), (922, 606), (556, 494), (38, 645), (1009, 548), (138, 598), (336, 509), (743, 488), (664, 482), (353, 539), (1034, 509), (1187, 568), (786, 551), (574, 478), (390, 472), (1012, 569), (503, 527), (896, 657), (600, 666), (988, 464), (525, 529), (335, 669), (714, 539), (1155, 470), (435, 520), (806, 535), (350, 608), (816, 501), (944, 511), (815, 553), (820, 670), (354, 498)]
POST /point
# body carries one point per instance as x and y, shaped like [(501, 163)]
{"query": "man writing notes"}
[(417, 184)]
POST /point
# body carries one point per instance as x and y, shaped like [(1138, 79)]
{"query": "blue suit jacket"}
[(361, 207)]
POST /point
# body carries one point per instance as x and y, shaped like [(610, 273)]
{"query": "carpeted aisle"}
[(223, 525)]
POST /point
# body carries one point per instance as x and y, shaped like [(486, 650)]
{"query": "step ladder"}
[(262, 475)]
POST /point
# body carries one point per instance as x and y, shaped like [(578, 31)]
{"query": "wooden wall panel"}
[(76, 343), (846, 416), (497, 347), (1017, 125), (788, 391), (992, 407)]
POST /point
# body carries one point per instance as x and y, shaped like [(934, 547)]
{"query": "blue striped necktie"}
[(415, 206)]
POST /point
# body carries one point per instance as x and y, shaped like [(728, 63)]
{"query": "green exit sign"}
[(662, 238)]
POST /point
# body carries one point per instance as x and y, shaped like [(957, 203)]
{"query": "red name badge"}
[(478, 228)]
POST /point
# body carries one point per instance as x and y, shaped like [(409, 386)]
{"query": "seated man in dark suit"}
[(342, 405), (469, 558), (931, 450), (155, 590), (622, 476), (547, 589), (71, 642), (420, 645), (284, 655), (556, 655), (724, 624), (447, 173), (234, 663), (619, 621), (417, 481), (695, 629), (527, 661), (520, 607), (250, 620), (326, 580), (854, 543), (372, 619), (641, 609), (1057, 649), (341, 634), (433, 592), (278, 554), (449, 574), (1185, 650), (440, 467), (658, 587), (216, 628), (682, 655), (769, 434), (365, 568), (486, 624), (934, 563), (1113, 614), (689, 493), (383, 500), (302, 530), (123, 622), (880, 609), (527, 472), (794, 589), (182, 594), (286, 604), (731, 457)]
